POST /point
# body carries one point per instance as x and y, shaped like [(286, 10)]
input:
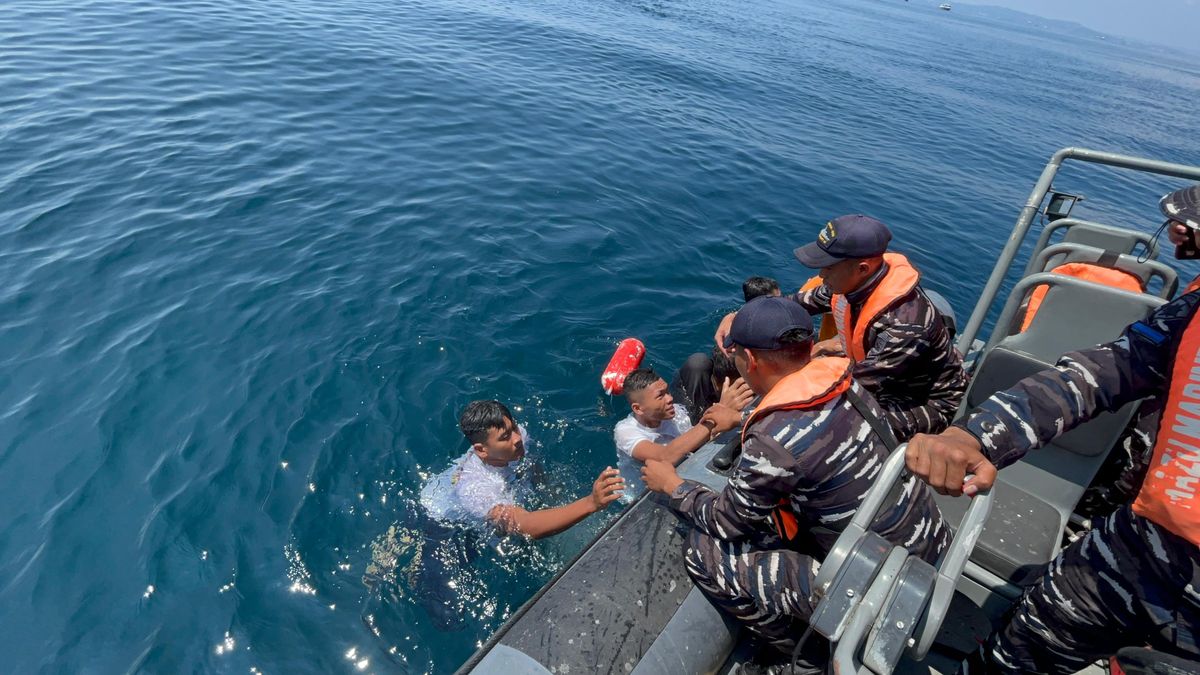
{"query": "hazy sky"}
[(1159, 21)]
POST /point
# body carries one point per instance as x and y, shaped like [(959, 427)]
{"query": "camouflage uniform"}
[(1129, 582), (823, 460), (912, 367)]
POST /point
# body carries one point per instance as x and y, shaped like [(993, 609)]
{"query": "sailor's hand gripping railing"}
[(874, 600)]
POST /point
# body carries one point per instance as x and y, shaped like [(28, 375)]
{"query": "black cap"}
[(761, 322), (1183, 206), (845, 238)]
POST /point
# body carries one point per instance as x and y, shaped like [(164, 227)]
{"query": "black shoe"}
[(1139, 661)]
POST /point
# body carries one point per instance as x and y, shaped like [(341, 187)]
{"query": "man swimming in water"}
[(658, 428), (481, 483)]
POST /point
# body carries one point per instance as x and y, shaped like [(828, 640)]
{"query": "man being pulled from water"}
[(898, 341), (482, 481), (808, 458), (697, 384), (658, 428)]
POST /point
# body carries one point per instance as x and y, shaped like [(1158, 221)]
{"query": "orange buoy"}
[(625, 360)]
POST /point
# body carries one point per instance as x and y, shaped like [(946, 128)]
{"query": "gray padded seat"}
[(1097, 235), (1035, 497), (1145, 270)]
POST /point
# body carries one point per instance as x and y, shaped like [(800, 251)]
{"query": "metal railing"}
[(1030, 211)]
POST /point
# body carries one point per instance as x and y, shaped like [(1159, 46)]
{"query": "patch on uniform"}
[(1147, 331), (827, 235)]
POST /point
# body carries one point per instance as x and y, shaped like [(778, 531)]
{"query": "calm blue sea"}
[(255, 255)]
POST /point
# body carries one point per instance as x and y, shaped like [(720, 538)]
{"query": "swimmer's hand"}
[(660, 476), (736, 394), (607, 488), (723, 330)]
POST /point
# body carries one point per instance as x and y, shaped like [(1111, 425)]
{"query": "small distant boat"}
[(945, 6)]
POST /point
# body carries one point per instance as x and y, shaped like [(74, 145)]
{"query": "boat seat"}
[(1146, 271), (1097, 235), (1035, 497)]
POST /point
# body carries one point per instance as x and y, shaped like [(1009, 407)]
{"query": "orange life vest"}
[(1193, 285), (817, 383), (1170, 493), (1097, 274), (828, 325), (899, 281)]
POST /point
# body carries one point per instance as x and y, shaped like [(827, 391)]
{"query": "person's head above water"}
[(848, 251), (770, 338), (756, 287), (649, 397), (494, 436), (723, 367)]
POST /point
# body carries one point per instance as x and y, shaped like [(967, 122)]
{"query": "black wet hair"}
[(638, 380), (479, 416), (723, 366), (755, 287)]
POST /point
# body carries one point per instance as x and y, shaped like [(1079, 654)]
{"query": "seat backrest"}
[(1145, 270), (1003, 367), (1073, 315), (1106, 237)]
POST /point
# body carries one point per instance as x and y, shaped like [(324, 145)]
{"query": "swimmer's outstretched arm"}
[(513, 519)]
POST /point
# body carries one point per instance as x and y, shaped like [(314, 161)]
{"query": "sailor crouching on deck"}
[(900, 344), (808, 459), (1134, 580)]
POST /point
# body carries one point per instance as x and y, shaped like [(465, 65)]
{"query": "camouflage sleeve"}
[(894, 349), (816, 301), (1082, 384), (764, 476)]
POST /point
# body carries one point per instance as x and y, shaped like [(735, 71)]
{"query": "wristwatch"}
[(711, 426)]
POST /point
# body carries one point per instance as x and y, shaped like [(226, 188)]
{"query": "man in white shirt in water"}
[(658, 428), (482, 482)]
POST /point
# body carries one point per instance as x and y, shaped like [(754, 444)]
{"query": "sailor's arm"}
[(765, 475), (816, 300), (1042, 407), (512, 519)]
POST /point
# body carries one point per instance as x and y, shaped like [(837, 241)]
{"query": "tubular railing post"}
[(1004, 262)]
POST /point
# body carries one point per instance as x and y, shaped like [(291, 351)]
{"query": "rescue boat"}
[(625, 604)]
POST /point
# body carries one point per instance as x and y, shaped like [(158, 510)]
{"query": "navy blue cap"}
[(845, 238), (1183, 206), (761, 322)]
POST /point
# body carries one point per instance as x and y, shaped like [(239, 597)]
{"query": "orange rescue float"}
[(625, 360)]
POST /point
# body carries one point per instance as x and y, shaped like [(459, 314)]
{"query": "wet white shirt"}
[(629, 432), (470, 489)]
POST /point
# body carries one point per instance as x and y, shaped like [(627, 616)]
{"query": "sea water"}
[(256, 256)]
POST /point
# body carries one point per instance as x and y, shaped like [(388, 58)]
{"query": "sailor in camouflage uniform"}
[(808, 459), (901, 345), (1134, 580)]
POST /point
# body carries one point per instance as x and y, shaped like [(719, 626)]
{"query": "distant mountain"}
[(1017, 18)]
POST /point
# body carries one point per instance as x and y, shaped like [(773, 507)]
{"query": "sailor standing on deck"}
[(1134, 580), (809, 456), (899, 343)]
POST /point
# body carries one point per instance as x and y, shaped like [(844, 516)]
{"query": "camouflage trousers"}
[(1128, 582), (761, 584)]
